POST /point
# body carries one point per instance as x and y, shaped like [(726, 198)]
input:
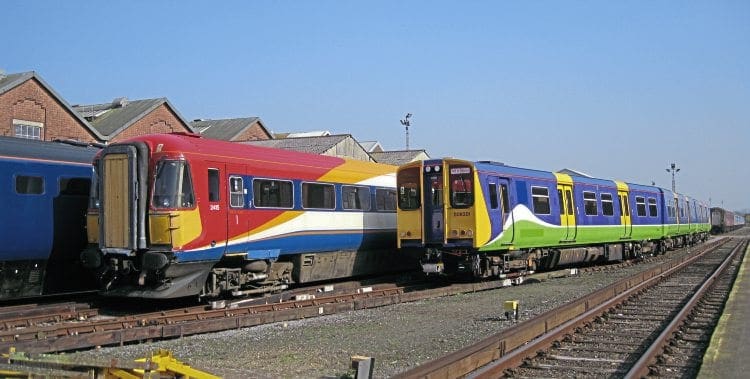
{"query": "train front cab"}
[(132, 243), (442, 211)]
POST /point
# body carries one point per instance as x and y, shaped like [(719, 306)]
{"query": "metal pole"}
[(405, 122)]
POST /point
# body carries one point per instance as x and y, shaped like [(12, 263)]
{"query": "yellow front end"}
[(175, 228), (466, 224), (92, 226)]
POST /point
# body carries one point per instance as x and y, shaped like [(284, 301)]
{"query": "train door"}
[(238, 224), (625, 220), (215, 217), (567, 208), (496, 188), (567, 211), (434, 213)]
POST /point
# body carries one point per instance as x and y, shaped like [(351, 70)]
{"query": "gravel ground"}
[(398, 337)]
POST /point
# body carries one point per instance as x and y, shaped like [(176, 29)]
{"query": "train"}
[(44, 190), (485, 218), (723, 220), (179, 215)]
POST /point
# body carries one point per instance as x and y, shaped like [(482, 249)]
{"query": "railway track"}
[(65, 326), (618, 331)]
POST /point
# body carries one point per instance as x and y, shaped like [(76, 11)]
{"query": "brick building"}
[(30, 108), (122, 119)]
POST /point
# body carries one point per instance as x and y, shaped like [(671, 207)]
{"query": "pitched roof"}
[(398, 157), (226, 129), (315, 145), (371, 146), (8, 82), (112, 118)]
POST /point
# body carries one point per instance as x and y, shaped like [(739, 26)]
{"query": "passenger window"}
[(652, 210), (356, 198), (493, 195), (29, 185), (589, 203), (640, 205), (540, 197), (319, 196), (272, 193), (385, 199), (607, 204)]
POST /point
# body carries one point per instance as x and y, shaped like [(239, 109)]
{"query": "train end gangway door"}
[(625, 221)]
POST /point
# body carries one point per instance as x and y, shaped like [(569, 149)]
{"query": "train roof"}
[(55, 151), (194, 143), (511, 170)]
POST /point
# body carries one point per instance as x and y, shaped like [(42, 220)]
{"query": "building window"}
[(607, 204), (356, 197), (27, 129), (320, 196), (640, 205), (589, 204), (540, 197)]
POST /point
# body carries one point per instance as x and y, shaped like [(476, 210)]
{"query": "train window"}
[(272, 193), (355, 197), (569, 197), (589, 203), (320, 196), (607, 204), (94, 193), (29, 185), (626, 205), (493, 195), (652, 207), (561, 201), (385, 199), (173, 186), (640, 206), (504, 196), (236, 192), (462, 191), (408, 188), (213, 185), (75, 186), (540, 197)]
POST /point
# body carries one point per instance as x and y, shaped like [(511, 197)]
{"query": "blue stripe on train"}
[(297, 244)]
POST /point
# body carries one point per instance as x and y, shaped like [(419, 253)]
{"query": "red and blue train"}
[(44, 189), (723, 220), (488, 219), (176, 215)]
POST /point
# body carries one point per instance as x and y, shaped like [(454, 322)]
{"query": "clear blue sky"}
[(616, 89)]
